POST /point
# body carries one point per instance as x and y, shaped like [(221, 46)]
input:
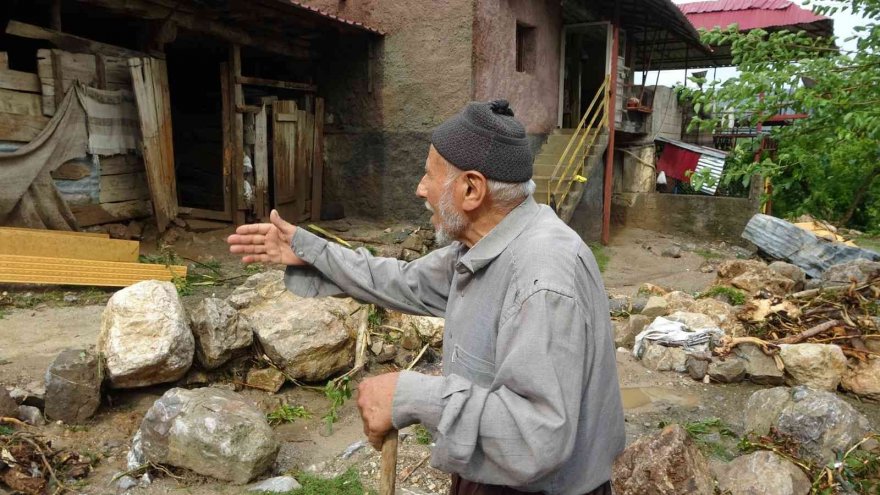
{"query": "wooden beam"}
[(54, 245), (124, 187), (261, 164), (67, 271), (4, 60), (19, 81), (227, 106), (248, 109), (102, 235), (271, 83), (318, 161), (88, 215), (201, 22), (237, 135), (22, 128), (67, 42), (223, 216), (20, 103), (56, 15)]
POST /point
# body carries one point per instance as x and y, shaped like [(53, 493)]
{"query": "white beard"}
[(452, 224)]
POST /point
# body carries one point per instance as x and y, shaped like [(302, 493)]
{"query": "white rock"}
[(819, 366), (278, 484), (656, 306), (144, 336), (210, 431), (219, 332)]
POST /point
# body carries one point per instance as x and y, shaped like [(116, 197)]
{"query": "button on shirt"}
[(529, 396)]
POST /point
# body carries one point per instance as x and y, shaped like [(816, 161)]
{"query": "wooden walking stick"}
[(388, 471)]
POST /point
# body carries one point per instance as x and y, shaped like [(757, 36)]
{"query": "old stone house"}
[(327, 105)]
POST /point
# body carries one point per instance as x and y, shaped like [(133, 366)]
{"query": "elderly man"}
[(529, 398)]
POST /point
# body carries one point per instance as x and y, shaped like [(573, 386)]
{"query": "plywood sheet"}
[(52, 244), (66, 271), (124, 187)]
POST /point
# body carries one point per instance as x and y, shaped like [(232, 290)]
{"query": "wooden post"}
[(237, 145), (612, 114), (56, 15), (261, 164), (318, 162)]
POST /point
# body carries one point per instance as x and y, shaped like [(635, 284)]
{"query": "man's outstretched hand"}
[(265, 242)]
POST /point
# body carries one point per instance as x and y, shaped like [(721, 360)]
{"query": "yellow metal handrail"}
[(565, 179)]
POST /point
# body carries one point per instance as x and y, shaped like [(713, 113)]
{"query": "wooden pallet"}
[(66, 271)]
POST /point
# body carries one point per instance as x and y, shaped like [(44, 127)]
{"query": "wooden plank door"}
[(293, 138), (150, 81)]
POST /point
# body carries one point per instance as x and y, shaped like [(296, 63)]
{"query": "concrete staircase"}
[(545, 163)]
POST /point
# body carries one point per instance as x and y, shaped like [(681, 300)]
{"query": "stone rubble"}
[(73, 386)]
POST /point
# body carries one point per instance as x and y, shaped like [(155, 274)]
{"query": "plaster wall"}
[(534, 94)]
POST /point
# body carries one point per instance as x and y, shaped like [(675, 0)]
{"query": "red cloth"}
[(676, 161)]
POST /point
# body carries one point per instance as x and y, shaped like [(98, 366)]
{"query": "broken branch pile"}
[(30, 465)]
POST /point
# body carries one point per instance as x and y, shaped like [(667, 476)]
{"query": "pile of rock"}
[(147, 338), (818, 423), (771, 293)]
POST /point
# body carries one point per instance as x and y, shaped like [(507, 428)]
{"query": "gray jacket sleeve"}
[(524, 427), (418, 287)]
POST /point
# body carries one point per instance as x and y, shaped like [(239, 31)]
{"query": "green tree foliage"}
[(827, 165)]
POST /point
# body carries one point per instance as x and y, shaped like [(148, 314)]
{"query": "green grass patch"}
[(601, 256), (423, 436), (347, 483), (6, 430), (286, 413), (868, 242), (708, 254), (735, 296), (337, 392), (709, 434)]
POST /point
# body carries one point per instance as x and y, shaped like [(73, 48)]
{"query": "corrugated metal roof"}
[(328, 15), (748, 14), (696, 148), (715, 166)]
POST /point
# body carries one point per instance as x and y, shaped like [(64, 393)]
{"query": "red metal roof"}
[(324, 13), (748, 14)]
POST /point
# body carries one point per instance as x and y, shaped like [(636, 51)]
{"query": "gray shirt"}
[(529, 396)]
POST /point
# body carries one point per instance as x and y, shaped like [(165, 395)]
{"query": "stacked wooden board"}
[(31, 256)]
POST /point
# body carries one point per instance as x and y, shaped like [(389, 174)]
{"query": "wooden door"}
[(293, 133), (150, 81)]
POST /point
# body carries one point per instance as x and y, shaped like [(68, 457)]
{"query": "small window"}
[(525, 48)]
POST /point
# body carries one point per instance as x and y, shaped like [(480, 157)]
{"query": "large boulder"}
[(679, 301), (791, 272), (8, 406), (863, 379), (721, 313), (73, 386), (625, 331), (694, 321), (257, 289), (659, 357), (144, 336), (820, 366), (820, 422), (210, 431), (220, 332), (656, 306), (763, 473), (730, 370), (858, 271), (760, 368), (428, 328), (665, 463), (753, 276), (310, 338)]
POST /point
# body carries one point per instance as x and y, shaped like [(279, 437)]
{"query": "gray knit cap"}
[(485, 137)]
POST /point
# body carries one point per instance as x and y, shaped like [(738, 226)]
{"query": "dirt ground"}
[(33, 333)]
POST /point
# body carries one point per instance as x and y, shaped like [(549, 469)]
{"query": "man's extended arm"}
[(418, 287), (525, 427)]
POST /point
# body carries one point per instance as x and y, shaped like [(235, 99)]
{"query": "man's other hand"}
[(265, 242), (375, 397)]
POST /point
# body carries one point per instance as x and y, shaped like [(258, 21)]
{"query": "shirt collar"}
[(496, 241)]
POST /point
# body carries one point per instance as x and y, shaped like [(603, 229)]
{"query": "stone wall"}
[(376, 139), (702, 217), (534, 93)]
